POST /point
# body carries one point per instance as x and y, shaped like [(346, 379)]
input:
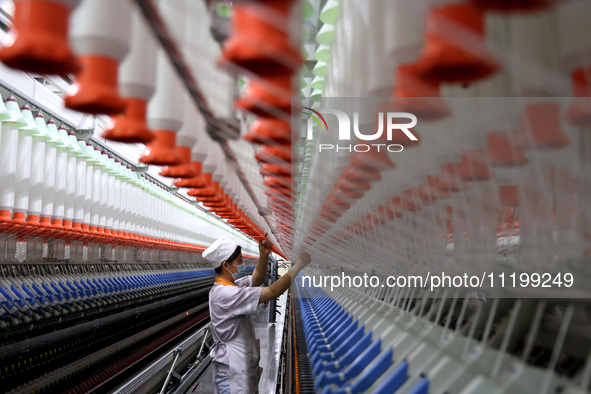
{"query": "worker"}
[(232, 300)]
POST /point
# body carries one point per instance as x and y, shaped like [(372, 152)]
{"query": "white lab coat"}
[(235, 345)]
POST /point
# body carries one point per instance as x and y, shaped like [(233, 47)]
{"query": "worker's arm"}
[(260, 271), (283, 283)]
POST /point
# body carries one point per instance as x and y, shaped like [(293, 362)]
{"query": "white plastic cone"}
[(23, 165), (100, 34)]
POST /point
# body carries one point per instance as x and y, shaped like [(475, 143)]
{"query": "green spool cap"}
[(88, 151), (305, 53), (110, 162), (42, 127), (74, 143), (330, 12), (322, 53), (63, 133), (320, 69), (31, 127), (325, 34), (308, 10), (305, 35), (14, 112), (4, 115), (55, 135), (317, 83)]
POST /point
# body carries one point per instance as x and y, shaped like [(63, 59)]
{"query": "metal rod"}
[(177, 352), (203, 343), (490, 320), (568, 315), (533, 332), (506, 338), (586, 374), (273, 302)]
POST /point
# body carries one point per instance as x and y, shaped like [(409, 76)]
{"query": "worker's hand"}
[(265, 246), (303, 260)]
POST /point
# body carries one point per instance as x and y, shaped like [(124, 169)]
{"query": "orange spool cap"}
[(5, 215), (282, 169), (432, 190), (455, 50), (474, 165), (540, 127), (267, 96), (274, 154), (354, 173), (502, 149), (131, 125), (449, 180), (579, 111), (268, 131), (38, 41), (410, 200), (417, 95), (509, 195), (162, 150), (195, 182), (183, 170), (514, 5), (96, 87), (260, 40), (377, 160), (100, 35)]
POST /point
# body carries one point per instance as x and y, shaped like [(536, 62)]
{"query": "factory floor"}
[(270, 337)]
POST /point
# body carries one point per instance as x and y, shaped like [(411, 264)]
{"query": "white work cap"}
[(221, 250)]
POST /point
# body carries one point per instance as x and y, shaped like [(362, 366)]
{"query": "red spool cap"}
[(162, 150), (279, 169), (579, 111), (40, 33), (474, 165), (509, 195), (266, 96), (97, 88), (260, 41), (195, 182), (269, 131), (183, 170), (540, 127), (354, 173), (455, 49), (449, 180), (417, 95), (274, 154), (509, 6), (131, 127), (502, 149)]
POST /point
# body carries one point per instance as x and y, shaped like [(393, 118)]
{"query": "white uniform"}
[(236, 350)]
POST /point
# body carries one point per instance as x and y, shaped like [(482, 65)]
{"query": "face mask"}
[(241, 271)]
